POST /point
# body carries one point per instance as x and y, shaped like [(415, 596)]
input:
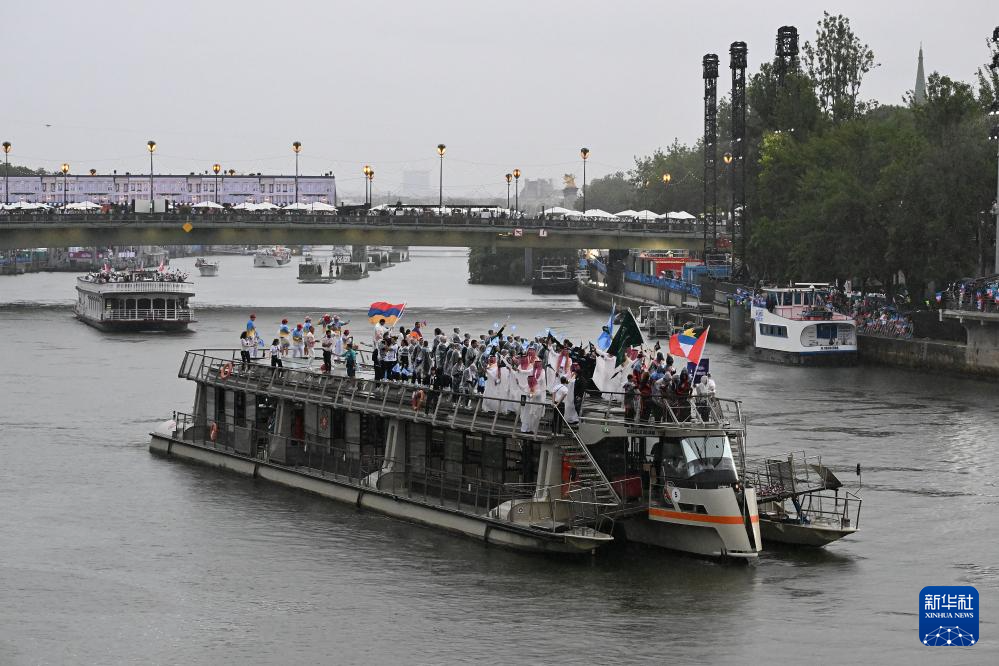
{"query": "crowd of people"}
[(108, 274), (980, 294), (509, 372)]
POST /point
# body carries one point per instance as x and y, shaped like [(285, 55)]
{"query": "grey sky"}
[(504, 85)]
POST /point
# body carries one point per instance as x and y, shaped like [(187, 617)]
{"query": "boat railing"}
[(399, 399), (794, 474), (693, 412), (142, 286), (168, 314), (556, 508)]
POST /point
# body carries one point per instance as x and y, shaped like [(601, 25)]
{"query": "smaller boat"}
[(378, 259), (662, 321), (207, 268), (310, 271), (272, 257), (352, 270), (554, 280), (799, 326), (802, 502)]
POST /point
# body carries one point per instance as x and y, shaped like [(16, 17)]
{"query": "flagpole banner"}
[(390, 312), (628, 335)]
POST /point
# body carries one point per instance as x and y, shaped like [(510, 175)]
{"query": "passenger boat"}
[(662, 321), (310, 271), (271, 257), (517, 476), (207, 268), (554, 280), (795, 325), (802, 502), (137, 300)]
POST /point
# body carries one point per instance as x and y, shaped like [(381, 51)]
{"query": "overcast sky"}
[(504, 85)]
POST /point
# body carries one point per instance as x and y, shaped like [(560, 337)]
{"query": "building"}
[(190, 189)]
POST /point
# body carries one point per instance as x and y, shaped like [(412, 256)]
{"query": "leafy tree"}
[(837, 62), (612, 193)]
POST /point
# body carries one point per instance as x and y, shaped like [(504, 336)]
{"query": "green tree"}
[(613, 193), (837, 62)]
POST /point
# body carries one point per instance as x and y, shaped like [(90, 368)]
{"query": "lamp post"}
[(65, 170), (367, 196), (297, 147), (516, 190), (584, 153), (995, 134), (215, 169), (508, 177), (371, 185), (727, 159), (151, 146), (441, 149), (6, 172)]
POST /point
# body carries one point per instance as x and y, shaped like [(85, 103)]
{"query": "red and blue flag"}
[(390, 312)]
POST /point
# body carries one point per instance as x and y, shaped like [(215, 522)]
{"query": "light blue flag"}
[(604, 341)]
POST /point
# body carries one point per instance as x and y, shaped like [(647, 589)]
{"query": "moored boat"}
[(271, 257), (554, 280), (310, 271), (797, 325), (137, 300)]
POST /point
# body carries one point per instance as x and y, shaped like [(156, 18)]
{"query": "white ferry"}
[(794, 325), (271, 257), (506, 472), (138, 300)]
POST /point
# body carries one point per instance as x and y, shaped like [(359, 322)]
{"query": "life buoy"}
[(225, 371), (419, 397), (324, 422), (213, 433)]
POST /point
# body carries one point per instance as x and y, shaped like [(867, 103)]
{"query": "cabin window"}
[(239, 408), (786, 298), (773, 330)]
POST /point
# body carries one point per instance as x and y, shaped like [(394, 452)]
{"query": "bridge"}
[(94, 230)]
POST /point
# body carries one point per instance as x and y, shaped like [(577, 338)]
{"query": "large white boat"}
[(797, 325), (138, 300), (271, 257), (506, 472), (207, 268)]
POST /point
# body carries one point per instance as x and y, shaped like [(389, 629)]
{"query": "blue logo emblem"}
[(948, 615)]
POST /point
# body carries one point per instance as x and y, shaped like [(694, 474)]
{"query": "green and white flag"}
[(628, 335)]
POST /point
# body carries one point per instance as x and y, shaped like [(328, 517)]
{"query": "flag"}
[(628, 335), (689, 347), (162, 268), (606, 335), (390, 312)]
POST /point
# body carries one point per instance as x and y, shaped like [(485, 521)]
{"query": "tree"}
[(613, 192), (837, 63)]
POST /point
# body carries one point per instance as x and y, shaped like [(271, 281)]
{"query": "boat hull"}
[(208, 270), (488, 530), (794, 534), (137, 325), (824, 359), (269, 261)]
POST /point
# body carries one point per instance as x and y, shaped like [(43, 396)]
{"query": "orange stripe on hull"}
[(700, 517)]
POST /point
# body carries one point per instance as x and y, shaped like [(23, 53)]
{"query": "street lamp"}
[(93, 172), (215, 169), (367, 196), (584, 153), (995, 134), (727, 158), (508, 177), (516, 190), (151, 146), (297, 147), (667, 178), (65, 170), (441, 149), (371, 185), (6, 172)]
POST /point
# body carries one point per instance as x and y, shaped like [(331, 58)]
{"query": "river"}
[(111, 555)]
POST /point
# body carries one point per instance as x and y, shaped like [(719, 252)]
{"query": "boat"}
[(207, 268), (662, 321), (352, 270), (136, 300), (797, 325), (310, 271), (506, 472), (802, 502), (554, 280), (271, 257), (378, 259)]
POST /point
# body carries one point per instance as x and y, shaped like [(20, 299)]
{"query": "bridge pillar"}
[(528, 263), (359, 253), (981, 354)]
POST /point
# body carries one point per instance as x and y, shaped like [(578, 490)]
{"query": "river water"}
[(111, 555)]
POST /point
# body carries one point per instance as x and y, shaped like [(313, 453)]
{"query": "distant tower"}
[(919, 96)]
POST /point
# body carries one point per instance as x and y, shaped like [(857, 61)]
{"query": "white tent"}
[(298, 205), (596, 213), (206, 204), (628, 213), (267, 205), (647, 215), (321, 207), (246, 205), (558, 210), (82, 205), (682, 216)]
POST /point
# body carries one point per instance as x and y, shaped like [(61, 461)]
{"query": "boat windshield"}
[(705, 460)]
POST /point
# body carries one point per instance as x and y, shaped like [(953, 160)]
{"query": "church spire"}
[(919, 94)]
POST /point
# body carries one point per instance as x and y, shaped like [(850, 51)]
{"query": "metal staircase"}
[(589, 474)]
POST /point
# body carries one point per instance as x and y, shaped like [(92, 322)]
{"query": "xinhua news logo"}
[(948, 616)]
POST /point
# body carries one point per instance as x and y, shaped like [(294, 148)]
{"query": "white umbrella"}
[(245, 206), (647, 215), (629, 213), (599, 214), (267, 205), (206, 204), (558, 210), (682, 215), (298, 205), (321, 207)]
